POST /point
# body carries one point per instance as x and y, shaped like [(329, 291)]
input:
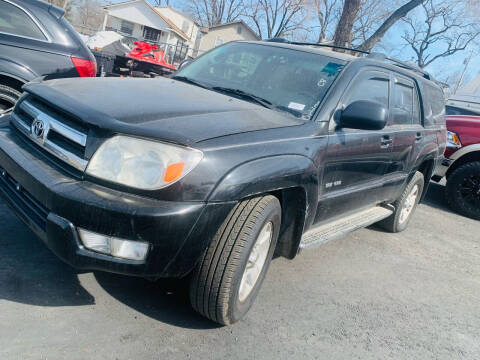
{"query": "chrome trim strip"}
[(64, 130), (66, 156)]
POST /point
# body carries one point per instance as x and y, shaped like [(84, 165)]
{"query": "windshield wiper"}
[(190, 81), (244, 95)]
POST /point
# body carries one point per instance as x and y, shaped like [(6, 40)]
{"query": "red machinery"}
[(144, 51)]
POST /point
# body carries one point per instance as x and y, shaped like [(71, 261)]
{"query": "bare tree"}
[(327, 14), (368, 21), (275, 18), (88, 13), (214, 12), (398, 14), (446, 29), (343, 33)]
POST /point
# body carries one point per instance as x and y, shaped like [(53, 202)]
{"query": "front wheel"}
[(230, 274), (463, 190), (405, 206)]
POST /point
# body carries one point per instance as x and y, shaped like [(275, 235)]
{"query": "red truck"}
[(461, 166)]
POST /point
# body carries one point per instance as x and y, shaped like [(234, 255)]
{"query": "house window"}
[(126, 27), (239, 29), (218, 41), (151, 34), (185, 26)]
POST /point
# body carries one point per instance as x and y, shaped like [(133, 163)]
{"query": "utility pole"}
[(459, 82)]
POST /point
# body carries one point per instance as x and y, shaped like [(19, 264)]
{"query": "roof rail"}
[(402, 64), (285, 41), (371, 55)]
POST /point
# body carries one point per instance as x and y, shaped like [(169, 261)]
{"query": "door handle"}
[(418, 136), (386, 142)]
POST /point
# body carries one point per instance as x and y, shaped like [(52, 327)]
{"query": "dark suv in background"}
[(37, 41), (255, 148)]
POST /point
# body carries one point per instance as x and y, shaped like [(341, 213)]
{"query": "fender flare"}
[(464, 151), (265, 175), (293, 176)]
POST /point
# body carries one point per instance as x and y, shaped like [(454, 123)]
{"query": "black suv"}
[(254, 148), (36, 41)]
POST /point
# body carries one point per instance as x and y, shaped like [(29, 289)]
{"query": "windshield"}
[(284, 79)]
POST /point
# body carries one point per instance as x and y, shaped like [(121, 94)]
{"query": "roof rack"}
[(285, 41), (371, 55), (402, 64)]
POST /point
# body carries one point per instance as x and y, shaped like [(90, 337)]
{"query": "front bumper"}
[(54, 204)]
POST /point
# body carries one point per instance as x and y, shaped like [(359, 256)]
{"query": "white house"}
[(140, 20), (164, 24)]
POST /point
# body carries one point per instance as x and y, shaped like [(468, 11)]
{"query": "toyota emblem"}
[(38, 128)]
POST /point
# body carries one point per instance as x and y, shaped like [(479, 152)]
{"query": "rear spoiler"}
[(56, 11)]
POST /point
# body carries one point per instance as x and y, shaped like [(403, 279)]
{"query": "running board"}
[(339, 228)]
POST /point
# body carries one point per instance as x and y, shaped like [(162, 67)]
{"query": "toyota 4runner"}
[(253, 149)]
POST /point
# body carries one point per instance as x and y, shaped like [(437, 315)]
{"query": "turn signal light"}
[(173, 171)]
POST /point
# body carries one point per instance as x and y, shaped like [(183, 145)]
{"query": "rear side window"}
[(370, 86), (433, 103), (15, 21)]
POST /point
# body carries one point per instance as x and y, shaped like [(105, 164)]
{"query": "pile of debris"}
[(109, 42)]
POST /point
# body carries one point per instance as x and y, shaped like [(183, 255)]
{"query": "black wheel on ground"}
[(405, 206), (463, 190), (230, 273), (8, 98)]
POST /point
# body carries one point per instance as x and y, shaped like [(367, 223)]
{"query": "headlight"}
[(142, 164), (453, 141)]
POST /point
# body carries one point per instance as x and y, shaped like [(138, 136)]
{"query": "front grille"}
[(52, 130), (24, 202)]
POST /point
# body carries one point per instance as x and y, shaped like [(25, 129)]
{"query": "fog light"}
[(125, 249)]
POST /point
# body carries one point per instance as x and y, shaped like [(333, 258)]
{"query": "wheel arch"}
[(293, 179), (466, 157), (12, 81), (15, 71), (426, 167)]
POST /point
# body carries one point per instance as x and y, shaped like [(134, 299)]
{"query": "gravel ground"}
[(370, 295)]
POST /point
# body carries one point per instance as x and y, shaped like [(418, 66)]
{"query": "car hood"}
[(159, 108)]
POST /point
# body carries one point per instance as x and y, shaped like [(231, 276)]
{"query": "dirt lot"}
[(371, 295)]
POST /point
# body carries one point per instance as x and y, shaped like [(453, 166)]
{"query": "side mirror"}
[(364, 115), (184, 63)]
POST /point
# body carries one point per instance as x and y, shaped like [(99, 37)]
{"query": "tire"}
[(399, 220), (216, 282), (463, 190), (8, 97)]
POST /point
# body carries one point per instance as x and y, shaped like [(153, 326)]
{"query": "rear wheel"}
[(230, 274), (8, 98), (405, 206), (463, 190)]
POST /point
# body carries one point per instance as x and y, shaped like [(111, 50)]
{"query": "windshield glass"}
[(285, 79)]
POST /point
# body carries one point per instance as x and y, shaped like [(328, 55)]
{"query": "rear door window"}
[(403, 102), (15, 21)]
